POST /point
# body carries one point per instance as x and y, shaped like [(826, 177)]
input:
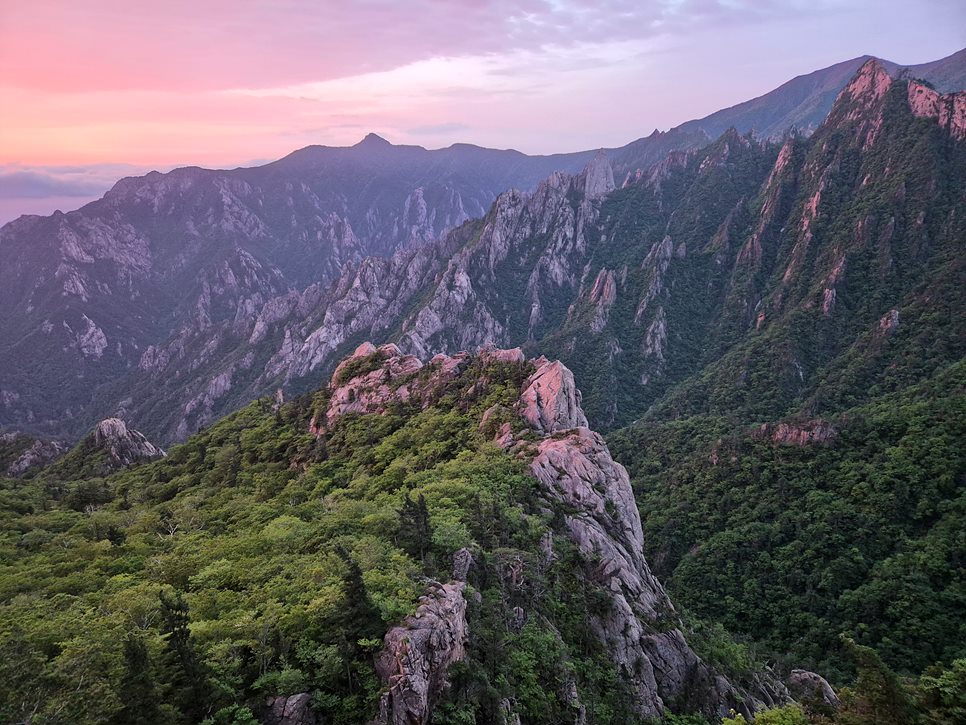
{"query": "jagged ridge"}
[(639, 627), (166, 274)]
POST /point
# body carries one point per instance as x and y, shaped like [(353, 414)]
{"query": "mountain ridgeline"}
[(746, 279), (768, 327), (442, 542), (220, 285)]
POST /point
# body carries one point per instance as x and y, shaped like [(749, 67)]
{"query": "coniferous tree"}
[(877, 697), (415, 528), (359, 619), (190, 680), (141, 702)]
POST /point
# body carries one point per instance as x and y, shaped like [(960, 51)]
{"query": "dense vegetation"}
[(258, 560), (790, 546)]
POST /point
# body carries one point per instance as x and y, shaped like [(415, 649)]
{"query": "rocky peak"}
[(550, 401), (640, 627), (597, 177), (948, 109), (658, 172), (373, 378), (721, 151), (364, 350), (368, 381), (417, 654), (868, 85), (860, 102), (373, 141), (124, 445), (577, 477)]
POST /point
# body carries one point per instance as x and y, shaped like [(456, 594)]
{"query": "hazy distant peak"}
[(373, 140)]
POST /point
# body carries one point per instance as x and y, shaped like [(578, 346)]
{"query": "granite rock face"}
[(948, 109), (559, 213), (640, 629), (417, 653), (370, 389), (551, 401), (125, 446), (808, 687), (32, 454), (292, 710), (813, 431)]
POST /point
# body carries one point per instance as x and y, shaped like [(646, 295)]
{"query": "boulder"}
[(808, 687), (292, 710), (124, 445), (462, 562)]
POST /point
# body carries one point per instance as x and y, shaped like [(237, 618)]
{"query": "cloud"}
[(219, 81), (33, 185), (40, 182), (187, 45), (441, 129), (45, 189)]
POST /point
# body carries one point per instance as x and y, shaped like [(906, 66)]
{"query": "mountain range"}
[(219, 286), (671, 432)]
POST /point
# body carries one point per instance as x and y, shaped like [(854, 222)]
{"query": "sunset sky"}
[(94, 90)]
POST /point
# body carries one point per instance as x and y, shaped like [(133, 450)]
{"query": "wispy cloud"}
[(44, 189), (187, 45), (439, 129), (18, 182), (182, 81)]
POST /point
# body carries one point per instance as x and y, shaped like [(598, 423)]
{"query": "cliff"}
[(586, 492)]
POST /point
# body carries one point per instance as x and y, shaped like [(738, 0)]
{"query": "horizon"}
[(91, 103)]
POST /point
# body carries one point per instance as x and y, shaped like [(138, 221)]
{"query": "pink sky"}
[(222, 83)]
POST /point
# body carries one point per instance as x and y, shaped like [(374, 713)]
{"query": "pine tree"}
[(358, 620), (141, 703), (878, 697), (193, 693), (415, 529)]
